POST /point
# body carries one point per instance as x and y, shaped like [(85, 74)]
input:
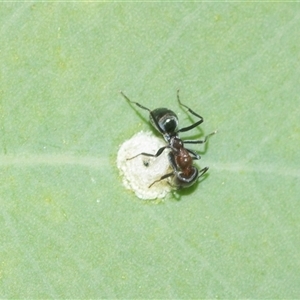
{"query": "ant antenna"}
[(139, 105)]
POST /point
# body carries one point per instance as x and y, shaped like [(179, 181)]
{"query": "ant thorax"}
[(175, 143), (182, 157), (184, 161)]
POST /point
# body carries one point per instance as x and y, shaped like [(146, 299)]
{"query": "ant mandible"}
[(180, 158)]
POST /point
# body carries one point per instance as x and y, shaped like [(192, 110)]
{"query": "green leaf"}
[(69, 229)]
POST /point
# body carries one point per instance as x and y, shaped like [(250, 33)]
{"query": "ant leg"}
[(193, 113), (158, 153), (202, 172), (161, 178), (200, 141), (195, 155), (139, 105)]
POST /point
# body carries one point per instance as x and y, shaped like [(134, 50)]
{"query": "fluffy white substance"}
[(140, 172)]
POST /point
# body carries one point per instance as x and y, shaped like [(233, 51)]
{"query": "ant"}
[(180, 158)]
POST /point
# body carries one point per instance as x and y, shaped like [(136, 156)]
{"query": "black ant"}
[(180, 158)]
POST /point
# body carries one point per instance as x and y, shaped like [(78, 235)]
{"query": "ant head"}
[(164, 120)]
